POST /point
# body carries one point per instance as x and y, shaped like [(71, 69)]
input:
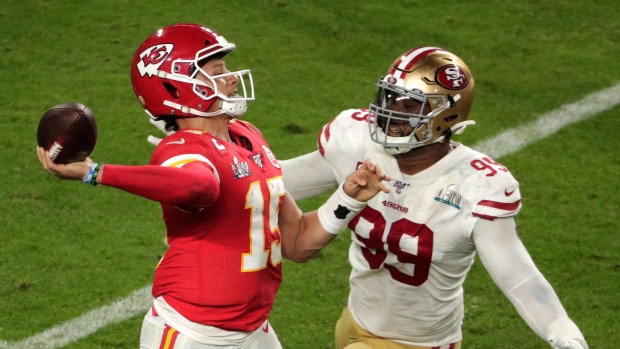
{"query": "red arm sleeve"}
[(195, 183)]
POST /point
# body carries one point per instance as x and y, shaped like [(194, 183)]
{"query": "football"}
[(68, 131)]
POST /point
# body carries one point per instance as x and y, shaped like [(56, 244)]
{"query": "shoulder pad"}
[(347, 132), (183, 147), (249, 125), (490, 190)]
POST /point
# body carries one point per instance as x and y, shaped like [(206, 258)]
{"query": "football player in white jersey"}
[(412, 247)]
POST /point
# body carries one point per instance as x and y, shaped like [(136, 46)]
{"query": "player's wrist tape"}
[(338, 211), (91, 176)]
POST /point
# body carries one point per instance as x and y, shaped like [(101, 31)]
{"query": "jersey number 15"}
[(261, 235)]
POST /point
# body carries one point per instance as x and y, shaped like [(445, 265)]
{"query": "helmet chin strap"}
[(460, 127), (233, 109), (395, 150), (456, 129)]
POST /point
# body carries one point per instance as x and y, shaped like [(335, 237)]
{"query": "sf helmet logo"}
[(152, 58), (452, 77)]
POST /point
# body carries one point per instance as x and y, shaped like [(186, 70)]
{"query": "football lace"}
[(55, 150)]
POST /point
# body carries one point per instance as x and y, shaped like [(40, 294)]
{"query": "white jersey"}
[(412, 248)]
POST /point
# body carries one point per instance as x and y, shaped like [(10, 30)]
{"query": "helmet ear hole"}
[(173, 91), (448, 119)]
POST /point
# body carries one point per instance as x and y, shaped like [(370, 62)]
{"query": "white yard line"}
[(136, 303), (515, 139), (505, 143)]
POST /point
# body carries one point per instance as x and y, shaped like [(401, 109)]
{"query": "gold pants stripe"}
[(349, 335)]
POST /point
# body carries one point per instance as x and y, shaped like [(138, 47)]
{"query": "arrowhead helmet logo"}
[(152, 58)]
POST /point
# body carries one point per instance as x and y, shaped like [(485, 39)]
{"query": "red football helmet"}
[(164, 69), (439, 82)]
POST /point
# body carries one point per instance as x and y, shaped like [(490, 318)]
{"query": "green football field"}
[(68, 251)]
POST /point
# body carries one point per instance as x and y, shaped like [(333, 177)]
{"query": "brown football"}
[(68, 131)]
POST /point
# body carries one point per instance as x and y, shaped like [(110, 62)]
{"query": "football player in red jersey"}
[(413, 247), (229, 220)]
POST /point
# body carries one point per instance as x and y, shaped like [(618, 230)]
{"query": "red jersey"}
[(223, 266)]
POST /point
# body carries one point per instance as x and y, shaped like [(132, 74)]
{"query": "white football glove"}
[(161, 125), (564, 334)]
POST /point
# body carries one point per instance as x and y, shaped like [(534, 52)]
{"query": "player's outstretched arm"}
[(194, 184), (513, 270), (304, 235), (307, 175)]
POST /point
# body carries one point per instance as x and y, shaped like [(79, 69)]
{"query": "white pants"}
[(157, 335)]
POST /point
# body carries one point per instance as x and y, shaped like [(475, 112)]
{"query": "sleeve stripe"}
[(319, 144), (180, 163), (484, 216), (506, 206), (325, 130), (180, 160), (490, 210)]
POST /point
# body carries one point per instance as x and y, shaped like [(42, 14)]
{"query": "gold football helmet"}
[(440, 85)]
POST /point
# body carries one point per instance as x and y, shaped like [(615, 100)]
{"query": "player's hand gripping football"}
[(366, 182), (74, 170)]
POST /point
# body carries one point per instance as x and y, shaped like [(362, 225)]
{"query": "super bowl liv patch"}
[(451, 197), (240, 169)]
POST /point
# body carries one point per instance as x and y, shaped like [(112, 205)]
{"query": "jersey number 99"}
[(410, 242)]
